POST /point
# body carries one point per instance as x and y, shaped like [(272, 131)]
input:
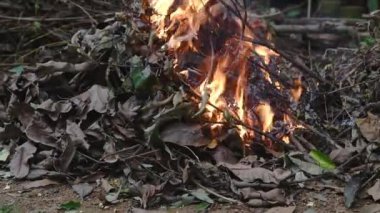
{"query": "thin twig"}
[(231, 200), (32, 19), (85, 11), (142, 154), (341, 166)]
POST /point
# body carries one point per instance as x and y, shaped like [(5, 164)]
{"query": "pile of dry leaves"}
[(106, 112)]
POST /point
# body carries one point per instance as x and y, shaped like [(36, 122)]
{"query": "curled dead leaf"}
[(39, 183), (76, 134), (58, 66), (374, 191), (274, 195), (83, 189), (40, 131), (63, 162), (97, 98), (19, 164), (249, 174), (370, 127)]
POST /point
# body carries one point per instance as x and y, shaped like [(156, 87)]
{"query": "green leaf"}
[(17, 70), (373, 5), (6, 209), (202, 206), (201, 194), (71, 205), (368, 41), (322, 159), (36, 26), (142, 77), (185, 201), (293, 13)]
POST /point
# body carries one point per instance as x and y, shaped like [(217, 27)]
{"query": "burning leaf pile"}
[(175, 102), (231, 74)]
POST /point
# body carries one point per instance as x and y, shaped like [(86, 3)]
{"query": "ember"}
[(233, 74)]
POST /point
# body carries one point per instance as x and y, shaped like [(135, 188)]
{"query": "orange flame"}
[(180, 22)]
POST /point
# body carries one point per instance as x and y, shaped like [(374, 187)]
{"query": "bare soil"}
[(49, 198)]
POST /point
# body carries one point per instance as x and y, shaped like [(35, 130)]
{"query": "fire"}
[(189, 26)]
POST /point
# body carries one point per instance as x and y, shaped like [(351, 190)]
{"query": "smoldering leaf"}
[(19, 164)]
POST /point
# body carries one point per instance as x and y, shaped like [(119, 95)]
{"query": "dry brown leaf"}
[(129, 109), (58, 66), (23, 112), (249, 174), (55, 108), (223, 154), (274, 195), (371, 208), (341, 155), (40, 132), (76, 134), (106, 185), (19, 164), (63, 162), (9, 132), (39, 183), (374, 191), (138, 210), (370, 127), (109, 150), (97, 98), (148, 191), (83, 189), (289, 209), (184, 134)]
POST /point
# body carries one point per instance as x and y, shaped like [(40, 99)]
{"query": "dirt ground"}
[(48, 199)]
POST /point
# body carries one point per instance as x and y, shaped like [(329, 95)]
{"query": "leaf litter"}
[(106, 105)]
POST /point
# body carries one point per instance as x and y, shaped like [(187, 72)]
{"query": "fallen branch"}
[(315, 28)]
